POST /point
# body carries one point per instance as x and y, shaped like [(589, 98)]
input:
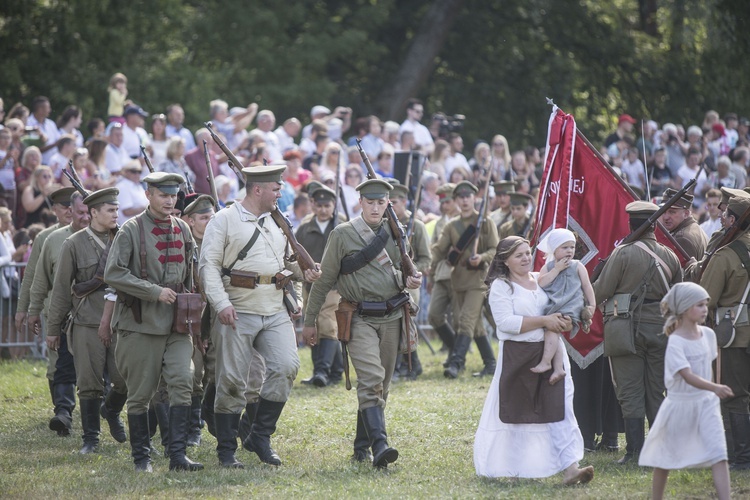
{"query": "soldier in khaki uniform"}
[(631, 269), (422, 258), (502, 214), (61, 208), (467, 278), (726, 279), (439, 283), (250, 312), (366, 285), (64, 377), (150, 258), (683, 227), (79, 289), (519, 224), (313, 235)]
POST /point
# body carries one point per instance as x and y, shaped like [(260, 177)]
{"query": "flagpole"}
[(645, 165)]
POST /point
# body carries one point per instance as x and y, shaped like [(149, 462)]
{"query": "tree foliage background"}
[(494, 61)]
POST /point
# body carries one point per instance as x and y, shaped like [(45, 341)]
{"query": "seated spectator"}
[(66, 146), (101, 177), (500, 158), (430, 202), (384, 165), (309, 145), (230, 126), (390, 135), (660, 176), (633, 170), (352, 178), (132, 195), (175, 162), (133, 134), (723, 177), (223, 189), (481, 159), (459, 174), (46, 128), (437, 159), (456, 158), (9, 156), (713, 213), (30, 159), (97, 129)]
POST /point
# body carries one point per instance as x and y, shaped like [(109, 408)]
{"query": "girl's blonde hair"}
[(38, 171), (115, 79)]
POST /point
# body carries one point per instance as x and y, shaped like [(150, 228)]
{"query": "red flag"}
[(580, 192)]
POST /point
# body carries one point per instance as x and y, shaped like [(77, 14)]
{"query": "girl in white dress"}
[(525, 450), (688, 430)]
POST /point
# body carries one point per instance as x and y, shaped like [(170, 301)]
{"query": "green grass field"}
[(431, 422)]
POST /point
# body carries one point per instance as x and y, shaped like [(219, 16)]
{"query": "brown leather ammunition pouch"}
[(132, 302), (382, 309), (282, 278), (344, 315), (243, 279), (188, 309)]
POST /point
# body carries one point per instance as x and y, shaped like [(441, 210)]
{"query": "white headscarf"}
[(682, 297), (553, 240)]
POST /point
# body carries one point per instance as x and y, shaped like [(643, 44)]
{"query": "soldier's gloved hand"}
[(20, 320), (310, 334), (35, 324), (228, 316), (313, 274), (53, 342), (167, 295), (414, 282)]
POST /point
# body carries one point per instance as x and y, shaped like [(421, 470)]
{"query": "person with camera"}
[(422, 136)]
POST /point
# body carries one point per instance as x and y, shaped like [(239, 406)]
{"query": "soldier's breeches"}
[(143, 359), (440, 302), (639, 377), (255, 376), (735, 372), (51, 364), (274, 339), (90, 358), (468, 309), (373, 349)]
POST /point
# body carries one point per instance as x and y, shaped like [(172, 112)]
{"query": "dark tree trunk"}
[(647, 11), (678, 26), (419, 61)]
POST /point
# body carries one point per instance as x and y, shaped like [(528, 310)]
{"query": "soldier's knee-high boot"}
[(740, 423), (361, 442), (140, 441), (91, 424), (161, 410), (373, 419), (152, 420), (194, 426), (207, 407), (337, 367), (111, 410), (634, 437), (178, 428), (314, 358), (227, 425), (458, 356), (65, 402), (323, 362), (264, 425), (488, 356), (448, 336), (416, 366), (246, 422)]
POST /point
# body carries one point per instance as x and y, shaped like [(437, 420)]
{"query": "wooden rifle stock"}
[(407, 265), (234, 163), (147, 160), (210, 177)]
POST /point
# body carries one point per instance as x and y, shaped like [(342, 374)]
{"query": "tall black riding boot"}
[(110, 411), (374, 420), (488, 356), (448, 336), (264, 425), (194, 426), (161, 410), (634, 437), (361, 442), (740, 423), (65, 402), (227, 425), (314, 358), (91, 424), (337, 367), (416, 366), (178, 428), (326, 353), (458, 356), (207, 407), (152, 420), (246, 422), (140, 441)]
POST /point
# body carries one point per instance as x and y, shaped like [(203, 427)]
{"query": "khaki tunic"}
[(639, 377), (420, 246), (442, 292), (28, 275), (500, 217), (44, 276), (691, 238), (512, 228)]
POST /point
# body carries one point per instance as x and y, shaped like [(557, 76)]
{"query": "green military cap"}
[(727, 193), (739, 203), (265, 173), (464, 188), (685, 201), (323, 194), (445, 190), (62, 195), (374, 189), (203, 204), (312, 186), (400, 191), (504, 187), (639, 209), (106, 195), (392, 181), (519, 198), (164, 182)]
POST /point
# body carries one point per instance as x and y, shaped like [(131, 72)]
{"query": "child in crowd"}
[(118, 94), (567, 284), (688, 429)]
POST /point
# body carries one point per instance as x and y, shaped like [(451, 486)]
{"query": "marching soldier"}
[(79, 290), (439, 284), (148, 265), (727, 281), (634, 280), (681, 224), (242, 245), (422, 258), (519, 224), (64, 378), (363, 260), (313, 235), (503, 189), (60, 200), (467, 278)]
